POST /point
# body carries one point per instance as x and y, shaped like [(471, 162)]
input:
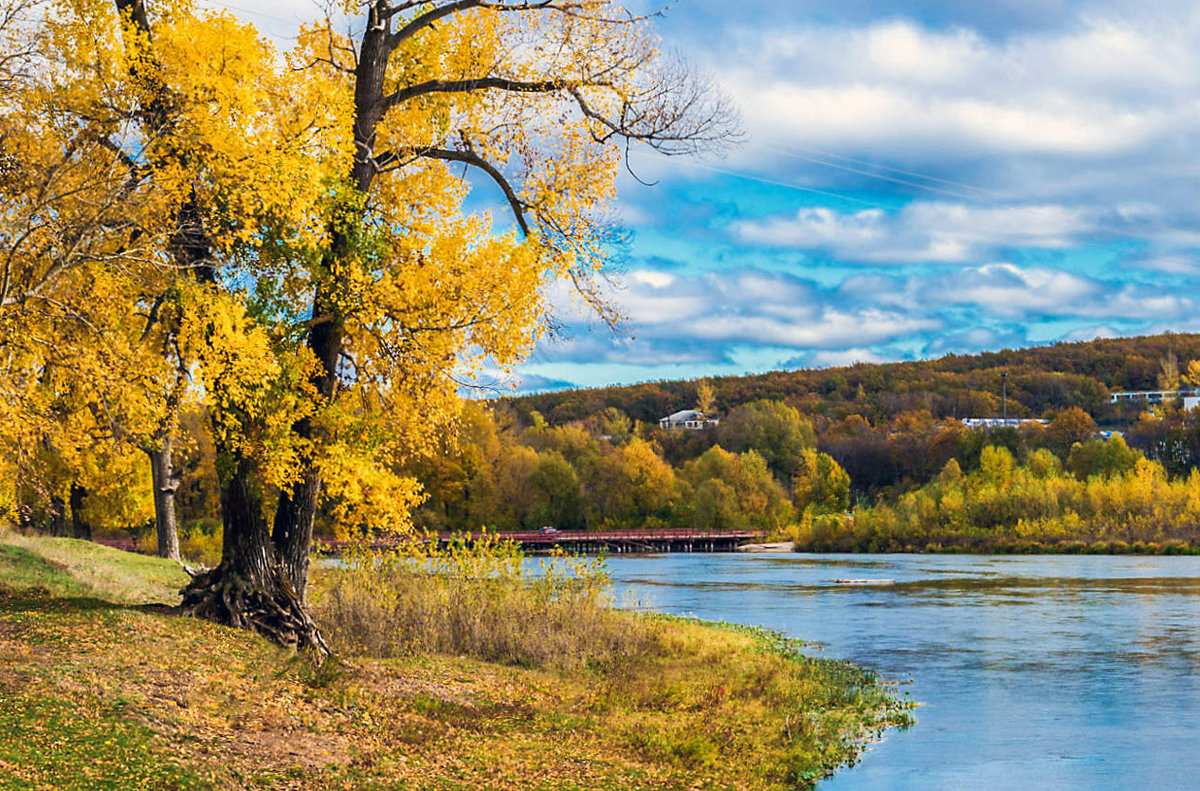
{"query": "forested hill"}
[(1040, 380)]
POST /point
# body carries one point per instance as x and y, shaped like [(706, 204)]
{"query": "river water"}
[(1072, 672)]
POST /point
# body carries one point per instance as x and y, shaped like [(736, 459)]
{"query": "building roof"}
[(684, 415)]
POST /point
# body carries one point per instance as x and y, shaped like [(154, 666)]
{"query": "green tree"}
[(1106, 458), (736, 491), (821, 484), (559, 502), (631, 485), (774, 430)]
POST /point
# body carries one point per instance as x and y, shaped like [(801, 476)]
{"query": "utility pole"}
[(1004, 394)]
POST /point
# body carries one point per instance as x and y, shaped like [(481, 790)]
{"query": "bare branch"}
[(425, 20), (468, 157), (477, 84)]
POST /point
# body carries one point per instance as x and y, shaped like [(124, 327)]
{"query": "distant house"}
[(688, 419)]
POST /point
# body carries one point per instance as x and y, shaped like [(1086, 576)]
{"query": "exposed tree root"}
[(277, 614)]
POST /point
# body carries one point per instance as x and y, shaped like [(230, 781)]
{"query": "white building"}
[(688, 419), (1000, 422), (1191, 398)]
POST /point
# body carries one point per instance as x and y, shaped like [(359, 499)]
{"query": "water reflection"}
[(1034, 672)]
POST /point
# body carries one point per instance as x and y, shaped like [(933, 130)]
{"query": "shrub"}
[(482, 601)]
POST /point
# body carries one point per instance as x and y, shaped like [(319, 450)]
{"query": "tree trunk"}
[(58, 517), (293, 529), (79, 525), (250, 588), (292, 533), (165, 483)]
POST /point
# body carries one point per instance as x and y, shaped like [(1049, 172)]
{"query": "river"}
[(1063, 672)]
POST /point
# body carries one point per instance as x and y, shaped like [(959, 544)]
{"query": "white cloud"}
[(652, 278), (1107, 86), (827, 329), (1006, 290), (920, 232)]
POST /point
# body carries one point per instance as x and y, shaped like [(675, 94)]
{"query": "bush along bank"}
[(1125, 504)]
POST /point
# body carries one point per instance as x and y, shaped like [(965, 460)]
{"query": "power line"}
[(872, 174), (778, 183), (293, 21), (888, 168)]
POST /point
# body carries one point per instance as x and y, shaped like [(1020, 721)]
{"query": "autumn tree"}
[(291, 232), (776, 431), (736, 491), (79, 379), (1107, 458), (706, 400), (1068, 427), (820, 483), (631, 486)]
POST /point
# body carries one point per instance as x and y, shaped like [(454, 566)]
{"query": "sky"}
[(917, 178)]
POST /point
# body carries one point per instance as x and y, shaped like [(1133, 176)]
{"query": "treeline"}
[(769, 466), (911, 484), (756, 472), (1040, 380), (763, 468), (1107, 498)]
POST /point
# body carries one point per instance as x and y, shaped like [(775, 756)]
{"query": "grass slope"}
[(97, 692)]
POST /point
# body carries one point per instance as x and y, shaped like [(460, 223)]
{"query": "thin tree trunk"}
[(293, 528), (58, 517), (165, 482), (79, 526)]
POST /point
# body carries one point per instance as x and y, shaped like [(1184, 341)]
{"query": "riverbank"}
[(98, 690)]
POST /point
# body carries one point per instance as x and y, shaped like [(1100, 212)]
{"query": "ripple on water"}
[(1078, 672)]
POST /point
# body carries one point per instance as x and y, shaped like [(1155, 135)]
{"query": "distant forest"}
[(860, 458), (863, 458), (1041, 381)]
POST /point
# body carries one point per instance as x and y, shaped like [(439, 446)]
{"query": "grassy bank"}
[(97, 691)]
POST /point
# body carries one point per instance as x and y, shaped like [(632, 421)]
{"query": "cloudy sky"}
[(919, 177)]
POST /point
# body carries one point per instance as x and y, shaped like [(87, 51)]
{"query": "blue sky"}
[(918, 178)]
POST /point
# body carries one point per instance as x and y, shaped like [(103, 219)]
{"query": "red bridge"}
[(582, 541)]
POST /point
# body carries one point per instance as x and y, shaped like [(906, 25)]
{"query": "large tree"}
[(312, 269)]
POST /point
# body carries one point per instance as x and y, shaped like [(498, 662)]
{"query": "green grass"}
[(71, 567), (52, 743), (98, 693)]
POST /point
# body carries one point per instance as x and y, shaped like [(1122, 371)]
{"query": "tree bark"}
[(165, 482), (79, 526), (293, 528), (58, 517), (250, 588)]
